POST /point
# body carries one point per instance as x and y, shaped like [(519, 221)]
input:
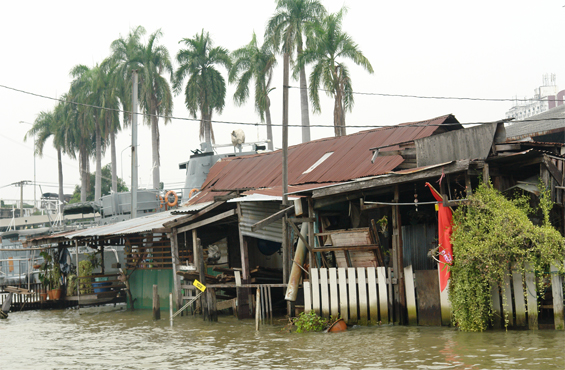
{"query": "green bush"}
[(491, 235), (309, 322)]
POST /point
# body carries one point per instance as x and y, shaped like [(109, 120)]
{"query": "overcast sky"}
[(482, 49)]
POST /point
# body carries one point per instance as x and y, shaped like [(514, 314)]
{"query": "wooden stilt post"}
[(311, 240), (177, 293), (244, 295), (486, 176), (399, 289), (497, 314), (102, 263), (270, 304), (212, 311), (468, 188), (202, 276), (257, 308), (171, 308), (531, 294), (156, 304), (557, 290), (286, 258), (195, 249)]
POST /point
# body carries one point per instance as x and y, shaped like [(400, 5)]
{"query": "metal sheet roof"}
[(547, 122), (137, 225), (351, 159)]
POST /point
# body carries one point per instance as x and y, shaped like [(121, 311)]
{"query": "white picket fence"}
[(360, 295), (364, 295)]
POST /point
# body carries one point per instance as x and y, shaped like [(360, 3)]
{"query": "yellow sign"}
[(437, 207), (199, 285)]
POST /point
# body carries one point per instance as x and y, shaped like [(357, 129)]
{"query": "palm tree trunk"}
[(207, 125), (98, 179), (269, 125), (60, 171), (87, 172), (114, 161), (155, 148), (338, 112), (83, 174), (304, 100)]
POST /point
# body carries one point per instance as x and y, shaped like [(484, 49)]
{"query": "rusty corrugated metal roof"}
[(350, 159)]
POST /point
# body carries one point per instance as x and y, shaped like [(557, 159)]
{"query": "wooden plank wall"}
[(362, 296), (359, 295), (516, 302)]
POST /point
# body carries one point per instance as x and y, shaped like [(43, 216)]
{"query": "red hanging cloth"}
[(444, 232)]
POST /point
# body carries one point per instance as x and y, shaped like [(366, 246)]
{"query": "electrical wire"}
[(431, 97), (291, 125)]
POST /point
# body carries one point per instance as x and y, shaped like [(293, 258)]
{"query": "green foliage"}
[(309, 322), (312, 322), (93, 259), (106, 185), (71, 285), (491, 236), (85, 268), (49, 271)]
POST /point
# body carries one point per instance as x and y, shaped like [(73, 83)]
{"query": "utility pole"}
[(285, 242), (21, 185), (134, 146), (285, 129)]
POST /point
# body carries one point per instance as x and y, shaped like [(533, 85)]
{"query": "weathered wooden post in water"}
[(202, 275), (156, 304), (171, 308)]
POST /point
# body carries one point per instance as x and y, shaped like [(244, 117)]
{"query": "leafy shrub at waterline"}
[(490, 235), (312, 322)]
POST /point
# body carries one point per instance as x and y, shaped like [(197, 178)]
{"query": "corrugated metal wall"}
[(417, 240), (254, 212), (141, 286)]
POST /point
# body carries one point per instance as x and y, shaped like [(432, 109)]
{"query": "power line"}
[(431, 97), (290, 125)]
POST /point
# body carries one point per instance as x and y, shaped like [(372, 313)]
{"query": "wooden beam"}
[(457, 166), (364, 247), (272, 218), (506, 147), (177, 294), (557, 175), (243, 249), (223, 198), (299, 220), (295, 228), (207, 221)]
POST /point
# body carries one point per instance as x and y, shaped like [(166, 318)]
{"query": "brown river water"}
[(112, 338)]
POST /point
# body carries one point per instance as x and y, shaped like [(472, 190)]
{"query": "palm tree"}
[(93, 87), (108, 92), (206, 88), (155, 97), (326, 49), (83, 121), (46, 125), (287, 26), (252, 61)]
